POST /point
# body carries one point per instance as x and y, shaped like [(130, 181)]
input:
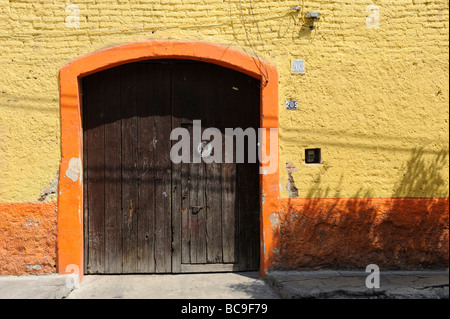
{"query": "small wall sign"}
[(292, 105), (298, 66)]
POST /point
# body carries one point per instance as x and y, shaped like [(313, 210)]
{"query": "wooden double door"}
[(142, 212)]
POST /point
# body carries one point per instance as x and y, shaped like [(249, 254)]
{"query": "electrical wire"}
[(56, 34), (250, 43), (89, 33), (262, 41)]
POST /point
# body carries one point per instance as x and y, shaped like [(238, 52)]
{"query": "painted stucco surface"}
[(369, 98), (27, 238), (375, 100), (406, 233)]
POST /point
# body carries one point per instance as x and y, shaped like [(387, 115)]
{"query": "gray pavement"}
[(34, 287), (248, 285), (327, 284), (323, 284)]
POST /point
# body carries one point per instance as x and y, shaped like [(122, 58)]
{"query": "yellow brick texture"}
[(375, 100)]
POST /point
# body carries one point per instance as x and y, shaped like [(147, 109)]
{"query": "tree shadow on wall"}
[(416, 229), (424, 177), (348, 233)]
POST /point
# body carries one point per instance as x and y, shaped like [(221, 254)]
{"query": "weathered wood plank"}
[(181, 118), (230, 197), (130, 202), (177, 211), (96, 175), (213, 201), (229, 214), (198, 214), (186, 213), (163, 188), (178, 192), (113, 178), (196, 91), (146, 169), (214, 105)]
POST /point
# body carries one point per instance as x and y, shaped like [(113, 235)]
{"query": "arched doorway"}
[(72, 202)]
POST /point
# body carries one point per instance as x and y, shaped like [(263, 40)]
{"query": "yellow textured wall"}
[(374, 99)]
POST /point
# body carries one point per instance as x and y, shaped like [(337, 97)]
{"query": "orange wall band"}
[(70, 193), (393, 233), (27, 238)]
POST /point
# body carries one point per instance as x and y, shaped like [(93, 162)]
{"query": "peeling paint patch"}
[(31, 223), (263, 198), (290, 186), (51, 190), (34, 267), (74, 169), (274, 220)]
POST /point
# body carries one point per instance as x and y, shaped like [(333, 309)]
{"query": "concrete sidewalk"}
[(328, 284), (324, 284), (34, 287), (245, 285)]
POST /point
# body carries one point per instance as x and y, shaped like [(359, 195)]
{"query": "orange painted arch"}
[(70, 193)]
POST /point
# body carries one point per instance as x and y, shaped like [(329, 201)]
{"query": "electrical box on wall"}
[(313, 156)]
